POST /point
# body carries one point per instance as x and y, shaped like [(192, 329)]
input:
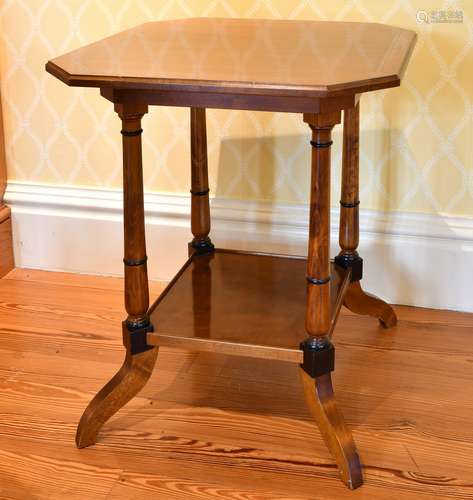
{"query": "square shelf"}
[(239, 303)]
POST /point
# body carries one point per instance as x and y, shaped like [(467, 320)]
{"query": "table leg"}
[(140, 358), (355, 299), (200, 206), (200, 220), (319, 354)]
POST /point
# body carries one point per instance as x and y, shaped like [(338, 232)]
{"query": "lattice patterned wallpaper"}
[(416, 145)]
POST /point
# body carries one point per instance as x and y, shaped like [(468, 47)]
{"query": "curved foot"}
[(127, 382), (321, 401), (361, 302)]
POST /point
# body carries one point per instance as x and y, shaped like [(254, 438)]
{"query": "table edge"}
[(219, 87)]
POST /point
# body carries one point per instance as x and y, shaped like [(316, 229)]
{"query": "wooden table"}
[(242, 303)]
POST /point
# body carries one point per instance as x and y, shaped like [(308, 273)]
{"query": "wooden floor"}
[(209, 426)]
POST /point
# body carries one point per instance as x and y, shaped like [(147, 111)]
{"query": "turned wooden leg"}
[(355, 299), (200, 206), (200, 220), (319, 353), (140, 358)]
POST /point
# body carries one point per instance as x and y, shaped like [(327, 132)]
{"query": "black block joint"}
[(319, 357), (351, 261), (202, 246), (135, 339)]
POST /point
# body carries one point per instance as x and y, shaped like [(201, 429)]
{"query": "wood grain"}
[(200, 206), (125, 385), (252, 305), (6, 247), (134, 238), (243, 56), (213, 426), (349, 230), (357, 300), (3, 162), (361, 302), (137, 367), (318, 312), (338, 438)]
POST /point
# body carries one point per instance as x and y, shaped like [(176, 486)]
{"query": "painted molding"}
[(410, 258)]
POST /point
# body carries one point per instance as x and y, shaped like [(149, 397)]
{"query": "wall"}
[(416, 143)]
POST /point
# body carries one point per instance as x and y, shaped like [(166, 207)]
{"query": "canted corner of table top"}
[(243, 57)]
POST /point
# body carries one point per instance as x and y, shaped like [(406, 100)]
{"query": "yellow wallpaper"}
[(416, 144)]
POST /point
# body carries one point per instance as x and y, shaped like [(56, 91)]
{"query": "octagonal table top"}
[(247, 56)]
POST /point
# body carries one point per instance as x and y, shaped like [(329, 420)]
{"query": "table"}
[(233, 302)]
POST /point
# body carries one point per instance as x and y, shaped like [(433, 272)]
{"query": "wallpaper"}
[(416, 140)]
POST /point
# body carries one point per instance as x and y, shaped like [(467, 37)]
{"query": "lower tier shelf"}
[(239, 303)]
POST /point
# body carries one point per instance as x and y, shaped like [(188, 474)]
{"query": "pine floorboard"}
[(209, 426)]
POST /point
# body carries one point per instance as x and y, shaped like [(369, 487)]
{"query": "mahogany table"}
[(243, 303)]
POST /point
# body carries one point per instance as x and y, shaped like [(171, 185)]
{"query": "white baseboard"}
[(415, 259)]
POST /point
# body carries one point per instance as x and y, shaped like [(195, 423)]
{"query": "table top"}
[(248, 56)]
